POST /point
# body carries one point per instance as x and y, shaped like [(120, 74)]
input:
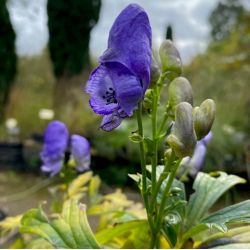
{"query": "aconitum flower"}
[(80, 150), (118, 84), (56, 143), (197, 160)]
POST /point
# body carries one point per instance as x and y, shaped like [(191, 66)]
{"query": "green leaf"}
[(138, 179), (109, 234), (238, 236), (93, 191), (233, 246), (38, 243), (68, 230), (139, 238), (208, 190), (176, 201), (10, 223), (170, 234), (32, 223), (76, 187), (236, 213)]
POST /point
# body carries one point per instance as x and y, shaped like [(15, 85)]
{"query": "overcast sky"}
[(189, 19)]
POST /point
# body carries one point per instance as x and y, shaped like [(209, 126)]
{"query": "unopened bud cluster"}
[(190, 123)]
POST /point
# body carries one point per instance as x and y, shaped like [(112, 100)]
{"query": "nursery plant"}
[(130, 81)]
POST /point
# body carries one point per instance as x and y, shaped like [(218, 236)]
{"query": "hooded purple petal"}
[(80, 150), (130, 42), (119, 83), (55, 144), (128, 90)]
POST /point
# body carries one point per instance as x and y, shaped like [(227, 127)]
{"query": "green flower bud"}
[(182, 138), (167, 154), (170, 59), (204, 118), (147, 102), (179, 90), (154, 71), (135, 137)]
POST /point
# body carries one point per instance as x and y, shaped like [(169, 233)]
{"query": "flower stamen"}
[(110, 96)]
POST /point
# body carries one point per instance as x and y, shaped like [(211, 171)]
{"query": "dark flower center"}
[(109, 96)]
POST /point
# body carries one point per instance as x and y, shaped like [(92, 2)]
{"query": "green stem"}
[(142, 156), (154, 157), (143, 169), (162, 177), (163, 123), (165, 196)]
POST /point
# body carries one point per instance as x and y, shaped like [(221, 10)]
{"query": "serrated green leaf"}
[(70, 230), (86, 228), (208, 190), (42, 229), (77, 219)]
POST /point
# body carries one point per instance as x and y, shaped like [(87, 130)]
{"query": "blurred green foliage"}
[(7, 57), (70, 23), (224, 17), (222, 73)]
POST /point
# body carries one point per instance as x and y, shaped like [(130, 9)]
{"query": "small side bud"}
[(204, 117), (182, 138), (135, 137), (147, 102), (154, 71), (179, 90), (167, 154), (170, 59)]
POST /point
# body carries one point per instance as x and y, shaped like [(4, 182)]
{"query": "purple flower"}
[(197, 160), (80, 150), (56, 138), (55, 144), (118, 84)]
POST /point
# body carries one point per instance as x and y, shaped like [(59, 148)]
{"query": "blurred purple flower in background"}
[(55, 144), (80, 150), (56, 140), (118, 84), (197, 160)]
